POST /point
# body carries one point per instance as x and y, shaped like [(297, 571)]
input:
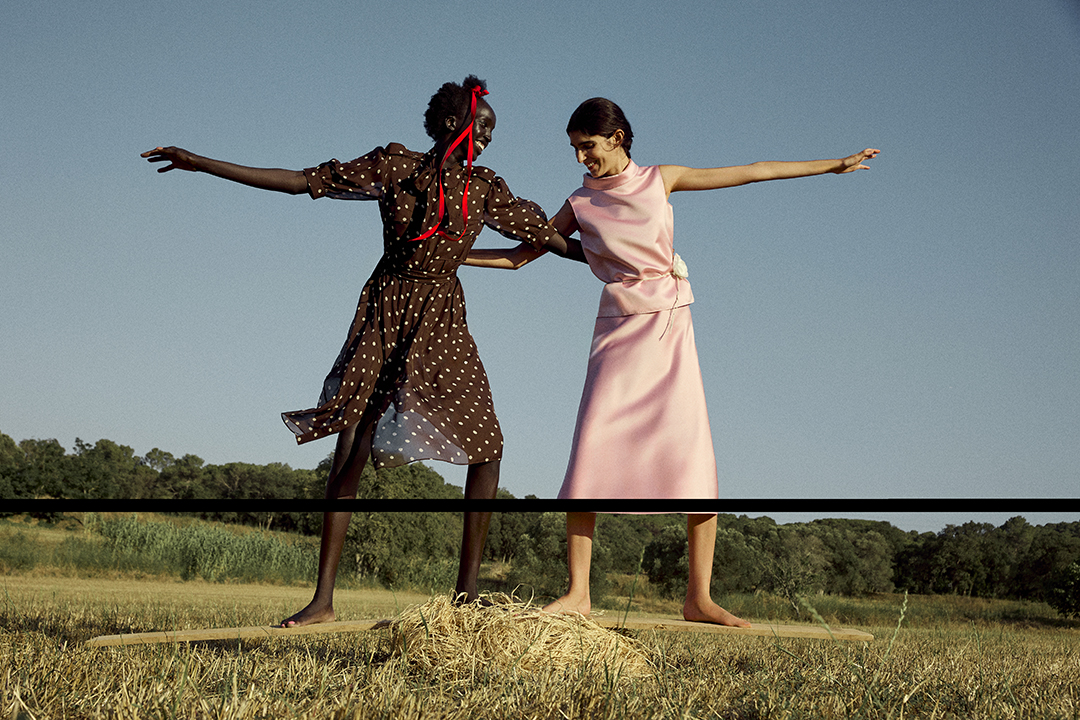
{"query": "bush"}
[(17, 552), (1065, 592), (206, 551), (666, 562), (403, 549)]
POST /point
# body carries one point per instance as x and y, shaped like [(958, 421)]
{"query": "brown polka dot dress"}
[(409, 362)]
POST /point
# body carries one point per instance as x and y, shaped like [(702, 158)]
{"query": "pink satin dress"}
[(642, 427)]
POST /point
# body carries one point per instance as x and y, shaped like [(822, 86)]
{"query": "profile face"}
[(601, 156), (482, 127)]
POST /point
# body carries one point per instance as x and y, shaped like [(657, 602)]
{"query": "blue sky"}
[(908, 331)]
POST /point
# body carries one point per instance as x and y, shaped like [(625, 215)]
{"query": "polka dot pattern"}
[(409, 358)]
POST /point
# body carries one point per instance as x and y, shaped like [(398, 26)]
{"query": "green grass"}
[(134, 546)]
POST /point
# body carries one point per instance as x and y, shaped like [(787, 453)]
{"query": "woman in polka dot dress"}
[(408, 384)]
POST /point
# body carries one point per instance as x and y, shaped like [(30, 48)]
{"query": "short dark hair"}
[(452, 100), (600, 116)]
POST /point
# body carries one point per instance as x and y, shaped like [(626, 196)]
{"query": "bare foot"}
[(568, 605), (310, 615), (710, 612)]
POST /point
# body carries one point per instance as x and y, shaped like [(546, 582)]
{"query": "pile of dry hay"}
[(459, 639)]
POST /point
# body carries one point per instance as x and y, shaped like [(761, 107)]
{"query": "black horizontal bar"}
[(817, 506)]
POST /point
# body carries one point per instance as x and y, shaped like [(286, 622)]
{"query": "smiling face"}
[(483, 124), (601, 156)]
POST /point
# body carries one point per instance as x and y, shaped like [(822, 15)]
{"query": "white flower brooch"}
[(678, 267), (678, 270)]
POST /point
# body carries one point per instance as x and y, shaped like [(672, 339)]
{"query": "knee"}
[(487, 470), (482, 481)]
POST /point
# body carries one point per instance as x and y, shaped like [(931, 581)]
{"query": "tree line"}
[(105, 470), (837, 556)]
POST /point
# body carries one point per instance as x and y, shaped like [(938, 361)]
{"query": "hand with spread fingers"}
[(855, 162), (178, 158)]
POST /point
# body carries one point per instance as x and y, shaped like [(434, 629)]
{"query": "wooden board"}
[(266, 631), (790, 631), (236, 633)]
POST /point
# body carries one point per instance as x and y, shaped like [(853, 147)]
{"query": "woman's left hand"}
[(855, 162)]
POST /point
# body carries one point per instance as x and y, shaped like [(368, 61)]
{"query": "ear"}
[(450, 123), (617, 138)]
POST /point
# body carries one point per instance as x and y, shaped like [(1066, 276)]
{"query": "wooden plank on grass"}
[(791, 631), (236, 633), (266, 631)]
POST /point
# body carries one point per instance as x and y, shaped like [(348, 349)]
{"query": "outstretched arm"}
[(516, 257), (677, 177), (286, 181), (504, 258)]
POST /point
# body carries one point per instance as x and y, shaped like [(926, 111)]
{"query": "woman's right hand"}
[(178, 158)]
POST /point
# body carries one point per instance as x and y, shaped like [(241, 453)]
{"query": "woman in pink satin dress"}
[(642, 427)]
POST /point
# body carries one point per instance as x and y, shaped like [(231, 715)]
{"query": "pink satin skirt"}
[(642, 426)]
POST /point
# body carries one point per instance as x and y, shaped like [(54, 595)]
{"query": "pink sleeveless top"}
[(627, 230)]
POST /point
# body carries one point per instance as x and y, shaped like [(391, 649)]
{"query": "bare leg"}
[(481, 483), (350, 456), (579, 537), (699, 606)]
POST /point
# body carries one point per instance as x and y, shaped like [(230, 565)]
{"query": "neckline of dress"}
[(612, 181), (427, 171)]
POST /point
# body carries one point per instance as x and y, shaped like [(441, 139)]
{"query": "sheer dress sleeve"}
[(516, 218), (359, 179)]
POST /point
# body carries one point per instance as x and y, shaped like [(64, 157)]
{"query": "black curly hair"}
[(452, 100)]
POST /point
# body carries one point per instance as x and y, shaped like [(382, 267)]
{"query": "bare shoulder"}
[(671, 175)]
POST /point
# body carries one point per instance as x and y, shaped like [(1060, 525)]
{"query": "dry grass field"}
[(941, 668)]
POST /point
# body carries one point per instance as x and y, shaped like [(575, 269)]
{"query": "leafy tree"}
[(875, 569), (1064, 595), (665, 561), (859, 555), (157, 460), (43, 471), (107, 470), (911, 571), (180, 479), (737, 562), (795, 563), (1053, 548), (388, 547), (11, 459), (504, 534), (626, 536), (957, 566), (1002, 551), (244, 481)]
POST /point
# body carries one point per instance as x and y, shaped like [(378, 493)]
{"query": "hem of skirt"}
[(645, 506), (410, 461), (302, 438)]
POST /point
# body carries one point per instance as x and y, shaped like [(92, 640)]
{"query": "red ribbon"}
[(477, 93)]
